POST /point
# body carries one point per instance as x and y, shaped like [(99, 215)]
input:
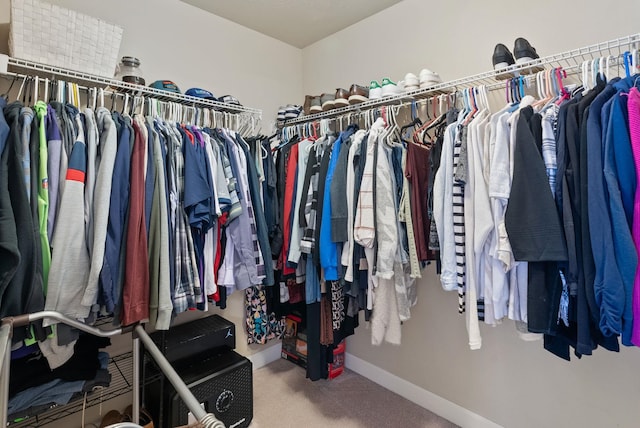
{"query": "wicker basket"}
[(52, 35)]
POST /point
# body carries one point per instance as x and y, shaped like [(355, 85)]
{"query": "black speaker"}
[(222, 382)]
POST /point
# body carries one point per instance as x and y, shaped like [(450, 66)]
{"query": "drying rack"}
[(208, 420), (570, 61)]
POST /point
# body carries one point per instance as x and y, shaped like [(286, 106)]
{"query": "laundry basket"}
[(52, 35)]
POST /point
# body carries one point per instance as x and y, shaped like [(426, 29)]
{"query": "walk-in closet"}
[(360, 213)]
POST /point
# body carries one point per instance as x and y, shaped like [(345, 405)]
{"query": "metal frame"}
[(61, 73), (570, 61), (6, 331)]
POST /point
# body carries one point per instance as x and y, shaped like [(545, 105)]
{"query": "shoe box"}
[(294, 341), (337, 367), (294, 347)]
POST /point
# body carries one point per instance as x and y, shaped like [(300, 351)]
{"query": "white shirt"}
[(443, 211)]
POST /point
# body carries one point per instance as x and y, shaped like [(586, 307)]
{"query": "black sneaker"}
[(502, 57), (523, 51)]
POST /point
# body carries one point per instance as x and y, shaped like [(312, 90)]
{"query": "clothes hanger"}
[(21, 88), (594, 72)]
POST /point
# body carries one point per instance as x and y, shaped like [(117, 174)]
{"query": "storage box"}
[(294, 342), (337, 367), (52, 35)]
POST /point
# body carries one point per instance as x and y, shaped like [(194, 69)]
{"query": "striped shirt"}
[(458, 215)]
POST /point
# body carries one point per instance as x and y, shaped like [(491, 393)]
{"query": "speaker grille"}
[(229, 390)]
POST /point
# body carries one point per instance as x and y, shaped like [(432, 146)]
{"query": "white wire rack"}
[(570, 61), (15, 65)]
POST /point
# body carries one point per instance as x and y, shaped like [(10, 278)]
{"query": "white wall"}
[(511, 382), (194, 48), (456, 38)]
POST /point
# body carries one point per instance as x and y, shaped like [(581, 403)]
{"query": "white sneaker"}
[(411, 80), (389, 88), (375, 90), (429, 78)]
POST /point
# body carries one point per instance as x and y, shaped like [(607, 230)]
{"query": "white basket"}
[(53, 35)]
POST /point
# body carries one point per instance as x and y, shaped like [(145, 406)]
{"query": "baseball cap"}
[(229, 99), (165, 85), (200, 93)]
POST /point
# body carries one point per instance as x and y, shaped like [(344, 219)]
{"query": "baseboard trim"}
[(430, 401), (266, 356)]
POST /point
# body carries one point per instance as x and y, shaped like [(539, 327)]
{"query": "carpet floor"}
[(284, 398)]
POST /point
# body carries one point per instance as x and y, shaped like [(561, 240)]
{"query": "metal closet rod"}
[(188, 110), (568, 60), (60, 73)]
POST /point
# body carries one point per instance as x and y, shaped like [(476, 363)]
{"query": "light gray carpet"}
[(284, 398)]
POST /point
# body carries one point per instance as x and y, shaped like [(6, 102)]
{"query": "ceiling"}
[(296, 22)]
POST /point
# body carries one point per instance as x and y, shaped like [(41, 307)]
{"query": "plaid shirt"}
[(247, 197), (232, 183), (186, 281), (310, 201)]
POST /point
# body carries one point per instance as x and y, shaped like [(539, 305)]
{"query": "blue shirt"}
[(328, 248), (110, 277), (608, 283)]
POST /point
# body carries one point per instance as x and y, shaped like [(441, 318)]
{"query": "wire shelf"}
[(570, 61), (121, 369), (47, 71)]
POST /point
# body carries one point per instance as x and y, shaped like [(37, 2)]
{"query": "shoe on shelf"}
[(327, 101), (341, 98), (502, 57), (523, 51), (358, 94), (281, 113), (429, 78), (411, 79), (316, 105), (389, 88), (411, 82), (375, 90), (401, 86), (306, 107), (292, 111)]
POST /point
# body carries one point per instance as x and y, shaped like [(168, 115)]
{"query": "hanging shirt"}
[(43, 189), (92, 138), (295, 252), (328, 248), (135, 293), (347, 250), (70, 261), (110, 275), (101, 199), (54, 148), (633, 106)]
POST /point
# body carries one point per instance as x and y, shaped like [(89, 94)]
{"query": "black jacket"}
[(24, 292)]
